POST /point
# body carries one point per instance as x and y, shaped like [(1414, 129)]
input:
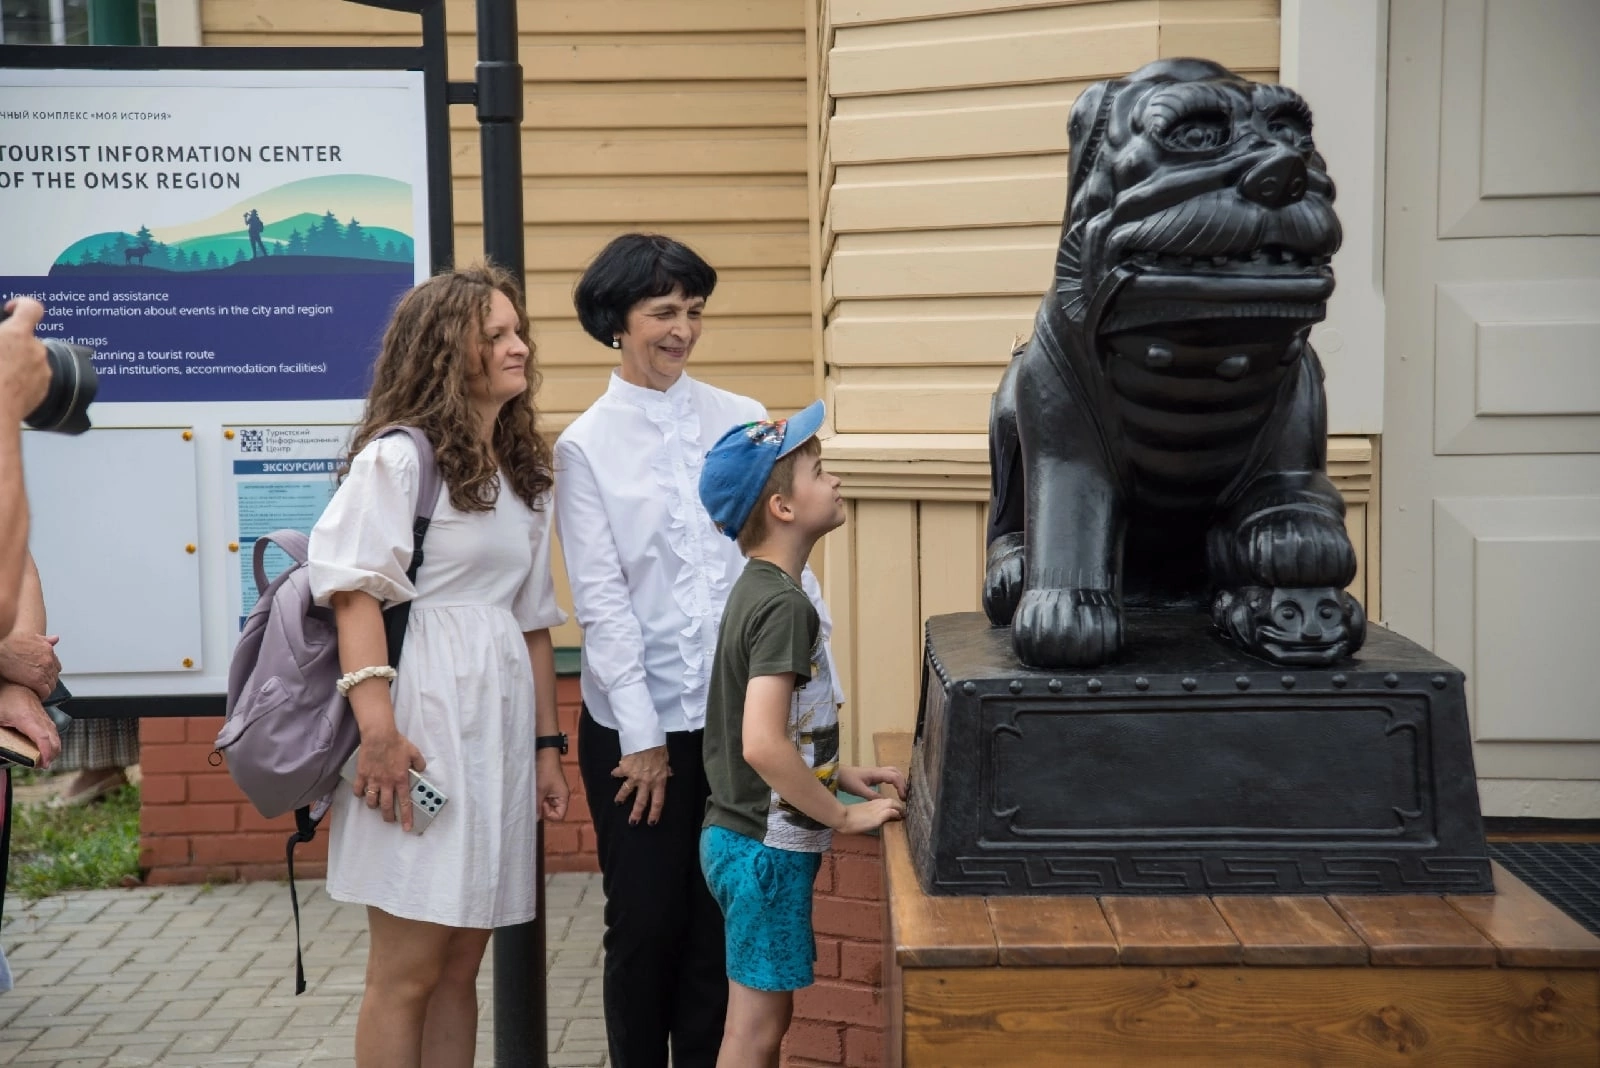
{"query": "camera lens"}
[(73, 384)]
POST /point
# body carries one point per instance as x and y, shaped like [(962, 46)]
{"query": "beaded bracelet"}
[(352, 679)]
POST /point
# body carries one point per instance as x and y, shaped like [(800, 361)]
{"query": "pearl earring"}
[(616, 342)]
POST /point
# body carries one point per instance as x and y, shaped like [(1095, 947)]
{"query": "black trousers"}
[(665, 975)]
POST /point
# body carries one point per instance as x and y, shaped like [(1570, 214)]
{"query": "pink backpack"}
[(288, 732)]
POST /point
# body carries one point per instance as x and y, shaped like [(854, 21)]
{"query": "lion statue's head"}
[(1194, 194)]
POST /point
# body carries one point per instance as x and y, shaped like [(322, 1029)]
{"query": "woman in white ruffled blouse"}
[(650, 574)]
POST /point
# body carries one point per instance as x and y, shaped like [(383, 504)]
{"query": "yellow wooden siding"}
[(687, 117), (947, 147)]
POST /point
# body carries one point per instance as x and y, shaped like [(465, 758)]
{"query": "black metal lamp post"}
[(520, 1026)]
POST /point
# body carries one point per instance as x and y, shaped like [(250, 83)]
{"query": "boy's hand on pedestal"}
[(864, 782), (870, 815)]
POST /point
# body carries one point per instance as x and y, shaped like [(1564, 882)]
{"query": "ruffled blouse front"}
[(649, 571), (702, 581)]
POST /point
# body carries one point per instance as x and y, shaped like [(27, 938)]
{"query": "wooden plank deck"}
[(1507, 979)]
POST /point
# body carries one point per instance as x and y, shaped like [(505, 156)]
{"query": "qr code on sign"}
[(251, 441)]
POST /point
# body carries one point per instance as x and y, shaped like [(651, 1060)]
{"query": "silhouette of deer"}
[(137, 252)]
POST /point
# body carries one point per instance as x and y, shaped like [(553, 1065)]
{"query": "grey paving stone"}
[(231, 966), (50, 1004), (122, 1022), (57, 984), (314, 1018), (199, 1041), (184, 1009), (283, 1043), (27, 950), (96, 966), (160, 950), (259, 1026), (585, 1030), (238, 999), (189, 976), (116, 991), (128, 905), (94, 937), (60, 1038), (170, 976), (54, 1059), (142, 929), (569, 1059)]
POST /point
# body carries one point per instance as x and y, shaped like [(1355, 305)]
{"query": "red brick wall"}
[(839, 1020), (195, 825)]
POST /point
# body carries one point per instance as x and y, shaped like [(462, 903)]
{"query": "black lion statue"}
[(1161, 440)]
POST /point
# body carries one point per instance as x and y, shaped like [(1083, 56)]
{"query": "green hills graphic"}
[(293, 222), (305, 234)]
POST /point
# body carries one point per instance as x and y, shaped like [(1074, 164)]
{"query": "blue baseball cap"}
[(739, 464)]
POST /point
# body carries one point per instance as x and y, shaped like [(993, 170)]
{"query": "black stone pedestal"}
[(1189, 767)]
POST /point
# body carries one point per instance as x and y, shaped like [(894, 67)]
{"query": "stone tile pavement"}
[(205, 976)]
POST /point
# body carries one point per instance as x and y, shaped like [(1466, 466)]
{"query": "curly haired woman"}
[(476, 684)]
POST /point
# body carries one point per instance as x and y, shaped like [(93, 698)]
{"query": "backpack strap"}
[(305, 829), (296, 544), (396, 617), (427, 467)]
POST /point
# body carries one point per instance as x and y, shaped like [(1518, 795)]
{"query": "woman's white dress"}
[(464, 695)]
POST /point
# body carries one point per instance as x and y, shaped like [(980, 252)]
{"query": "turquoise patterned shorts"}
[(765, 895)]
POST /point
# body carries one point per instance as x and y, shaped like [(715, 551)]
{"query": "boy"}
[(772, 729)]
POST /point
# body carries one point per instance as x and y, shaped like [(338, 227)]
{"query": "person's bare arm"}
[(27, 654), (553, 789), (13, 517), (386, 754), (21, 711), (769, 751), (24, 377)]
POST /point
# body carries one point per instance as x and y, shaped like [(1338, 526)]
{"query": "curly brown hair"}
[(434, 345)]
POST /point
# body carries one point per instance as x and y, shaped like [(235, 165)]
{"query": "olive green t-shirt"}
[(769, 627)]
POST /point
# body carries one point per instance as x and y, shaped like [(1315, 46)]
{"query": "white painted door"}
[(1491, 444)]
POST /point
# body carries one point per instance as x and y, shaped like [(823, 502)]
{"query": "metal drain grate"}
[(1566, 873)]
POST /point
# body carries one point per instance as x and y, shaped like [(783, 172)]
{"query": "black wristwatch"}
[(551, 741)]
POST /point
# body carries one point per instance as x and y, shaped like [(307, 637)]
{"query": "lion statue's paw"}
[(1067, 628), (1301, 547), (1003, 578)]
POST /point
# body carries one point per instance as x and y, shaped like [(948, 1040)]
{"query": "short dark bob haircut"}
[(632, 268)]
